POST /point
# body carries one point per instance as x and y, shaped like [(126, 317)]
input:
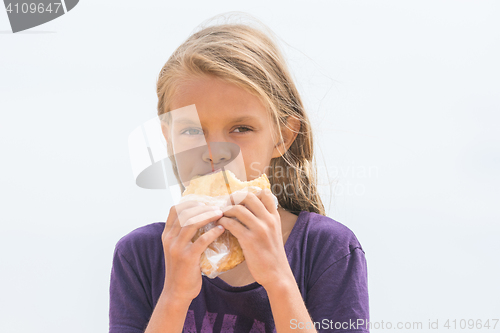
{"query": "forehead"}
[(218, 99)]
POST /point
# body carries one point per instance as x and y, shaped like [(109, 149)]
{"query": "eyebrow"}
[(184, 120), (244, 118)]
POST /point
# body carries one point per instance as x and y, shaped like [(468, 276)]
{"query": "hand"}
[(259, 235), (183, 279)]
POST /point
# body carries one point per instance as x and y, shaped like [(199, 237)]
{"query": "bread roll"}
[(225, 252)]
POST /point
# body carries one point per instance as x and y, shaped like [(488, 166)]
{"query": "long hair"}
[(250, 58)]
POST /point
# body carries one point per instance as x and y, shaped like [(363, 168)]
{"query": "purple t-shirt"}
[(326, 259)]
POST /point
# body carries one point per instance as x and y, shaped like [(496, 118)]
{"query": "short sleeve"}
[(129, 308), (338, 300)]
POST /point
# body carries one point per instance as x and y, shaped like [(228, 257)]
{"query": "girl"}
[(302, 270)]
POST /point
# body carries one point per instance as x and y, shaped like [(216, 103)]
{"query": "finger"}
[(242, 213), (172, 217), (251, 201), (187, 233), (176, 209), (236, 228), (206, 239), (173, 227), (267, 197), (195, 214)]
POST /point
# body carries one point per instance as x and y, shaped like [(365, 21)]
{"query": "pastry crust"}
[(214, 185)]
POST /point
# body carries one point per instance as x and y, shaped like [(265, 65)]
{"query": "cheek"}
[(256, 164), (183, 143), (257, 157), (184, 173), (258, 148)]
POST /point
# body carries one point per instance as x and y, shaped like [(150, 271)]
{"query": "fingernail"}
[(218, 212), (220, 227)]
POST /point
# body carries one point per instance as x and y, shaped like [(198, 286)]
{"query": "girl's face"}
[(230, 117)]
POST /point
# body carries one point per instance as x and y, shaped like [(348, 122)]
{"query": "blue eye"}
[(192, 131)]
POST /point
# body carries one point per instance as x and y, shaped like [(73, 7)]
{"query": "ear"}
[(289, 133)]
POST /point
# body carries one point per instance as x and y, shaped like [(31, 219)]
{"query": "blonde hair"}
[(250, 58)]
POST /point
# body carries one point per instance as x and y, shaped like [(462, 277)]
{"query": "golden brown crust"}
[(228, 262), (215, 185)]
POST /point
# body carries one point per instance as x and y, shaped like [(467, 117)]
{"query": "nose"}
[(222, 152)]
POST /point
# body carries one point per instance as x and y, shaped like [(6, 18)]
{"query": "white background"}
[(404, 97)]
